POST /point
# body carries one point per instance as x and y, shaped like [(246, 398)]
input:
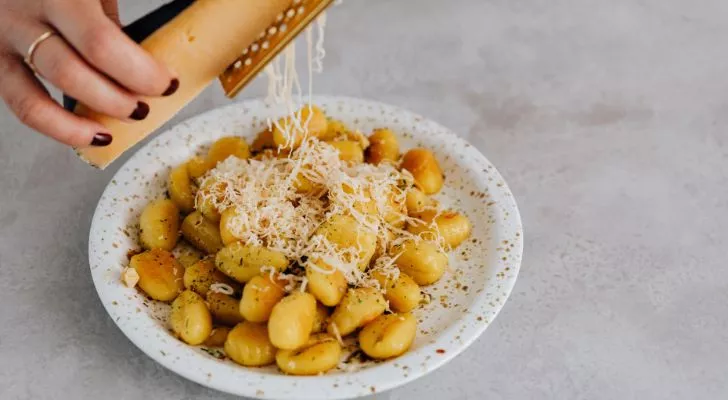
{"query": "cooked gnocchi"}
[(292, 251)]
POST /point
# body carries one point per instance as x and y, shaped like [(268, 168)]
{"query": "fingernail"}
[(140, 112), (173, 86), (102, 139)]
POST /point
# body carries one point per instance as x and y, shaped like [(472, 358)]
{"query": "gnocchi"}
[(383, 146), (190, 319), (358, 307), (201, 275), (454, 228), (201, 233), (291, 321), (349, 151), (422, 260), (160, 275), (320, 354), (248, 344), (180, 189), (403, 293), (260, 294), (243, 262), (227, 147), (423, 166), (388, 336), (298, 244), (225, 309), (159, 225), (328, 287)]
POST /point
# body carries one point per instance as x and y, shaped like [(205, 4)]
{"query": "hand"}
[(89, 58)]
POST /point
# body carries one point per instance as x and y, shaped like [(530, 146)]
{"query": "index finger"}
[(102, 43)]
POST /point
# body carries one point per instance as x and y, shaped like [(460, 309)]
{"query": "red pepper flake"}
[(440, 351)]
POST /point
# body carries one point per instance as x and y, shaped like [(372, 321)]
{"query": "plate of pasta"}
[(336, 252)]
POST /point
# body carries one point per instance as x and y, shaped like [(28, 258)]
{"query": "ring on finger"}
[(34, 46)]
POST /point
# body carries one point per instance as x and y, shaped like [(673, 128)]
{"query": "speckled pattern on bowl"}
[(481, 275)]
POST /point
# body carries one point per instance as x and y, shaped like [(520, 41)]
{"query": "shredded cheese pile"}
[(270, 212)]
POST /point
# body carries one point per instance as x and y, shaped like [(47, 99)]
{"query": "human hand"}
[(89, 58)]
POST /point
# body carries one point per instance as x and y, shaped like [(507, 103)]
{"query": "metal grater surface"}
[(270, 43)]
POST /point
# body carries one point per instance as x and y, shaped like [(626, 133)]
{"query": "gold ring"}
[(33, 47)]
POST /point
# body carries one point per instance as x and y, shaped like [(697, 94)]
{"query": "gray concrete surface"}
[(607, 118)]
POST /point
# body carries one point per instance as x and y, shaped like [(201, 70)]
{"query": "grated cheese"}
[(130, 277)]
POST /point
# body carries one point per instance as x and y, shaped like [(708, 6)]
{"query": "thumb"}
[(111, 9)]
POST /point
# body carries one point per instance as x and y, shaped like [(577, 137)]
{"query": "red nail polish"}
[(102, 139), (140, 112), (173, 86)]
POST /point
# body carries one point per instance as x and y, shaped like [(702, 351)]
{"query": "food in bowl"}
[(313, 239)]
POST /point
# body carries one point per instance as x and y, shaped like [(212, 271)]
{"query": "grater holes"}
[(290, 13), (245, 51), (279, 18), (283, 28), (238, 64), (265, 45), (254, 47), (272, 30), (301, 10), (248, 61)]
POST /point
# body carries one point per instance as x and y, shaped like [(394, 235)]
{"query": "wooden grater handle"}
[(198, 44)]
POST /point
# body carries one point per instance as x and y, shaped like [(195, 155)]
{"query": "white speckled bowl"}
[(481, 275)]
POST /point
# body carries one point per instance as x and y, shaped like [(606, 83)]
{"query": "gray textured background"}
[(607, 118)]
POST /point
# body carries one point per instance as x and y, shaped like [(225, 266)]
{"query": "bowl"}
[(477, 284)]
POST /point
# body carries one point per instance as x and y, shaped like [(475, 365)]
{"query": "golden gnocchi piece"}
[(327, 287), (319, 354), (243, 262), (423, 166), (260, 295), (349, 151), (159, 225), (198, 166), (344, 232), (180, 189), (291, 321), (217, 337), (317, 127), (201, 233), (418, 203), (264, 140), (403, 293), (190, 319), (226, 226), (358, 307), (248, 344), (202, 274), (388, 336), (305, 185), (335, 129), (422, 260), (226, 147), (204, 199), (225, 309), (453, 227), (160, 275), (383, 147)]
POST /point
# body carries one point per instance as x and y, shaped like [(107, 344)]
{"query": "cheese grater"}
[(270, 43)]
